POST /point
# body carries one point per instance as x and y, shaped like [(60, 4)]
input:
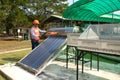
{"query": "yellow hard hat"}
[(36, 22)]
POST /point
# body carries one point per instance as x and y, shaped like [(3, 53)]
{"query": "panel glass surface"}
[(43, 52)]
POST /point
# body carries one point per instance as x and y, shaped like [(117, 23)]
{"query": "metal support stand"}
[(82, 61), (67, 57), (77, 67), (80, 55), (97, 61), (90, 60)]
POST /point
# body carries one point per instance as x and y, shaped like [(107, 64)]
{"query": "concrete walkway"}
[(57, 71)]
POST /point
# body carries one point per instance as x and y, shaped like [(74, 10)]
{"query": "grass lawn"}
[(13, 45), (6, 45), (13, 56)]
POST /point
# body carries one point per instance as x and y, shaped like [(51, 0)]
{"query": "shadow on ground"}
[(14, 59), (56, 72)]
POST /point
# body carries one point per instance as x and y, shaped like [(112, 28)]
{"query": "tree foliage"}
[(40, 9), (18, 13)]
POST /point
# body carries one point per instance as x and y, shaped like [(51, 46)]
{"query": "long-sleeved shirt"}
[(35, 33)]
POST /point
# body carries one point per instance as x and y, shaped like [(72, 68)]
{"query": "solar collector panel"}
[(34, 54), (49, 52), (43, 52), (42, 57)]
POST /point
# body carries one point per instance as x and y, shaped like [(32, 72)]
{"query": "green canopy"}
[(93, 10)]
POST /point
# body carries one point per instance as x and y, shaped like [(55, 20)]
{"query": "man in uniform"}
[(35, 34)]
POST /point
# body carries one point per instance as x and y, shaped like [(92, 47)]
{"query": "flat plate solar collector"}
[(40, 55)]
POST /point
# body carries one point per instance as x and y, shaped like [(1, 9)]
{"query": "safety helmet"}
[(36, 22)]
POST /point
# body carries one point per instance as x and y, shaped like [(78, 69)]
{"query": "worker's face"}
[(36, 25)]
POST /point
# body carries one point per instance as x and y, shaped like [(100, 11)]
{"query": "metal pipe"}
[(77, 70), (90, 60), (67, 57)]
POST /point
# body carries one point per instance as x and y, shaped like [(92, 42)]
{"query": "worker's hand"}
[(52, 33)]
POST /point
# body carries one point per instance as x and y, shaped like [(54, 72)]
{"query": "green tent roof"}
[(93, 10)]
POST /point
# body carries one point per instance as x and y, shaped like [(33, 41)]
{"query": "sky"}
[(71, 1)]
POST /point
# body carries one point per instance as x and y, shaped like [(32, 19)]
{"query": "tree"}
[(18, 13), (3, 13), (14, 16), (40, 9)]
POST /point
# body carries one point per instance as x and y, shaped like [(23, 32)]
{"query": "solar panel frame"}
[(51, 45), (46, 53)]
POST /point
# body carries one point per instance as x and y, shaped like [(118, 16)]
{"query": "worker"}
[(76, 29), (35, 34)]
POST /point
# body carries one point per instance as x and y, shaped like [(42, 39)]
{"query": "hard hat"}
[(36, 22)]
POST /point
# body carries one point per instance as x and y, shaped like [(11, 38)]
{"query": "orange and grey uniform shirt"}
[(35, 33)]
